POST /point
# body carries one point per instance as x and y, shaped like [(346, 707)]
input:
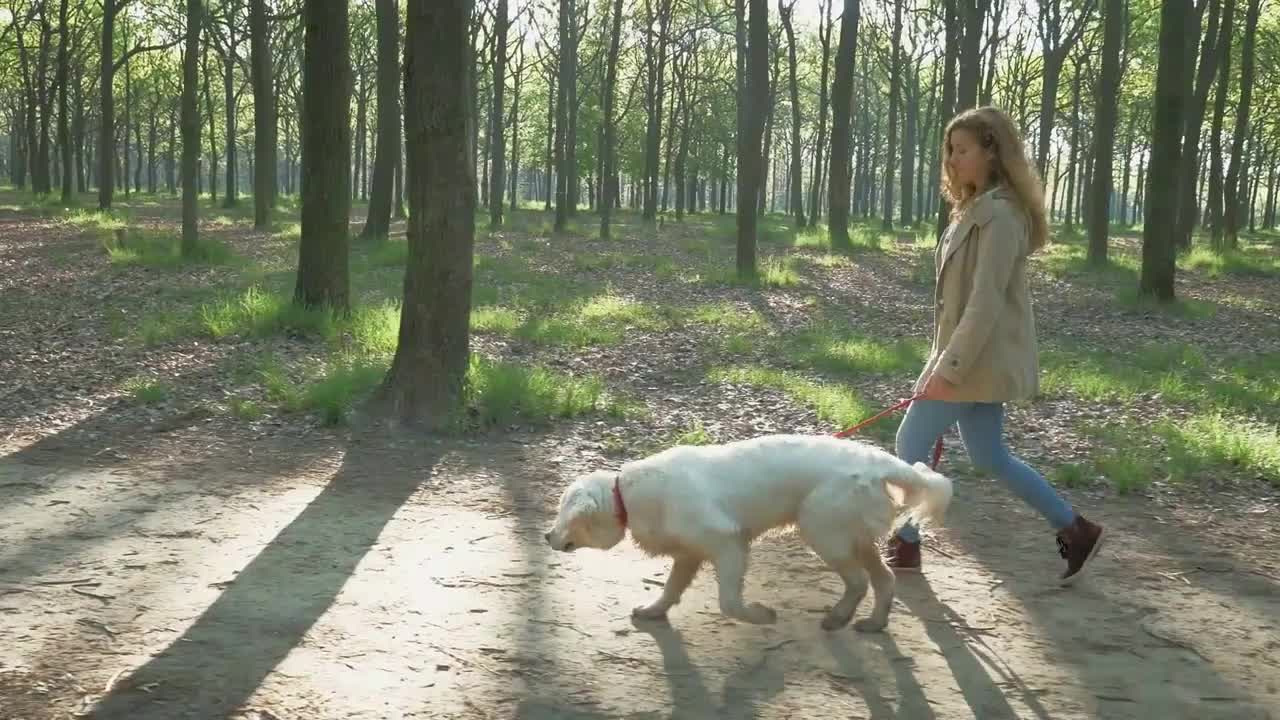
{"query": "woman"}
[(984, 345)]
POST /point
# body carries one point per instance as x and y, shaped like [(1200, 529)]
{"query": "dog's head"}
[(587, 516)]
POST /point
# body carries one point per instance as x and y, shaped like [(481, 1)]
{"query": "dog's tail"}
[(924, 493)]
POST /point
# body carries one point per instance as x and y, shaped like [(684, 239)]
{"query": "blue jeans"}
[(982, 430)]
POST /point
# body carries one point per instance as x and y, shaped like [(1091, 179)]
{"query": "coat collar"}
[(979, 213)]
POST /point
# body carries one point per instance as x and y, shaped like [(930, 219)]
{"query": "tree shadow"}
[(63, 468), (744, 689), (848, 649), (222, 658), (968, 663), (1098, 626)]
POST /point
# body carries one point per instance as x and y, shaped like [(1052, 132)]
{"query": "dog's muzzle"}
[(568, 546)]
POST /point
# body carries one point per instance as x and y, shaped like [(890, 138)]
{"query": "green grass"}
[(255, 312), (153, 248), (693, 434), (103, 221), (1244, 262), (833, 403), (1186, 449), (727, 316), (833, 348), (245, 409), (771, 272), (1070, 475), (600, 320), (145, 391), (1216, 439), (1068, 259), (1180, 373)]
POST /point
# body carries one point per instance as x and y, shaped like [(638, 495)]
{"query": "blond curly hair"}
[(997, 133)]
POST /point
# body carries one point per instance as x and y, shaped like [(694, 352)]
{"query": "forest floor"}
[(198, 521)]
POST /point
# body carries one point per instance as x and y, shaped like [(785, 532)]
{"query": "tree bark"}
[(426, 381), (610, 122), (750, 153), (497, 177), (841, 127), (1233, 192), (386, 150), (973, 12), (264, 116), (895, 100), (1158, 244), (1188, 205), (1214, 204), (191, 130), (797, 167), (1104, 132), (951, 50), (815, 181), (232, 196), (567, 78), (107, 109), (323, 274), (64, 110), (1056, 42)]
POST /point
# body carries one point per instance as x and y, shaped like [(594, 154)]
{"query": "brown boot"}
[(903, 556), (1078, 543)]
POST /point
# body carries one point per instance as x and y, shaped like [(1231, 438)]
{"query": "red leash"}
[(937, 448)]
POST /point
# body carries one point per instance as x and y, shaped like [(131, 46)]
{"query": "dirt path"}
[(369, 578)]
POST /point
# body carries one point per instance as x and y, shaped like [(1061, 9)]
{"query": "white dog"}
[(706, 504)]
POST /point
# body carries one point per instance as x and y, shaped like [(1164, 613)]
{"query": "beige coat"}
[(984, 338)]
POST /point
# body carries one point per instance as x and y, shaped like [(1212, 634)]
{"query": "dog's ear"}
[(582, 502)]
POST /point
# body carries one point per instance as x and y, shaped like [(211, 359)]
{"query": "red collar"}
[(619, 507)]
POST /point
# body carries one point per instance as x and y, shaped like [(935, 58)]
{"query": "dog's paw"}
[(760, 614), (649, 612), (834, 621), (870, 625)]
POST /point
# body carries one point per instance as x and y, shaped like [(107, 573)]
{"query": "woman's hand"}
[(939, 388)]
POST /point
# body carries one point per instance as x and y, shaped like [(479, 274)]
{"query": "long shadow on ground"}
[(218, 663)]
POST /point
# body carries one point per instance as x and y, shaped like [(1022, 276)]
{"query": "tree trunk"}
[(1104, 132), (515, 132), (610, 122), (841, 126), (425, 384), (265, 131), (1188, 205), (1073, 162), (568, 18), (191, 131), (386, 149), (750, 153), (1214, 203), (1123, 215), (951, 51), (213, 131), (571, 135), (232, 196), (1158, 244), (993, 51), (498, 178), (655, 60), (797, 167), (973, 12), (815, 181), (64, 110), (326, 156), (895, 99), (107, 111), (1233, 192)]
